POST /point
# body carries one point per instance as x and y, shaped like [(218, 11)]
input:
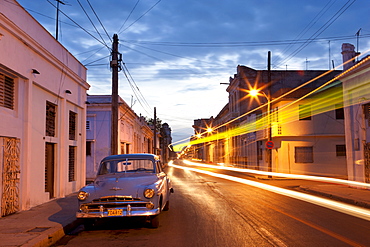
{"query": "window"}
[(6, 92), (71, 164), (304, 112), (367, 113), (341, 150), (303, 154), (50, 119), (72, 125), (87, 125), (88, 148), (339, 111)]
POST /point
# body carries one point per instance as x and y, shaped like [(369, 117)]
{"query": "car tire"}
[(167, 206), (154, 221)]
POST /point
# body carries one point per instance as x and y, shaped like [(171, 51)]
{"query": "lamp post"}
[(256, 93)]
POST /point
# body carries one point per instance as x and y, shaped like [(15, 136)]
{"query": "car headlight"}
[(82, 195), (149, 193)]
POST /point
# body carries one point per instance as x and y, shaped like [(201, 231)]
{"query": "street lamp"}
[(255, 93)]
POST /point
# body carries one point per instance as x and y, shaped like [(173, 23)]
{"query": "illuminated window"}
[(341, 150), (303, 154), (304, 112)]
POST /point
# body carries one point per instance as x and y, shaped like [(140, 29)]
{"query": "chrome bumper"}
[(126, 212)]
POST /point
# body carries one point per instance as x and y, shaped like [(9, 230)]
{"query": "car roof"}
[(131, 156)]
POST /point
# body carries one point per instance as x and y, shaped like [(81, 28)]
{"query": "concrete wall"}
[(25, 45)]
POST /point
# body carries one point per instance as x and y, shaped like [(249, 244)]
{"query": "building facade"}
[(43, 114), (295, 125), (134, 134), (356, 95)]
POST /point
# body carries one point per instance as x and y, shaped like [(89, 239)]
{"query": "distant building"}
[(307, 138), (356, 95), (134, 134), (42, 111)]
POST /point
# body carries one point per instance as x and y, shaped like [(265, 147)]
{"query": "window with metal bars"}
[(72, 164), (303, 154), (6, 92), (341, 150), (51, 110), (367, 114), (72, 125)]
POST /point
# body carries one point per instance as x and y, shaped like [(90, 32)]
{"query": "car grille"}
[(115, 199)]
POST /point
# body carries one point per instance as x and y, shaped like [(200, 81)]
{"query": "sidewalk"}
[(42, 225), (45, 224)]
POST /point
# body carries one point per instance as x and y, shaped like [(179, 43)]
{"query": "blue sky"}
[(177, 52)]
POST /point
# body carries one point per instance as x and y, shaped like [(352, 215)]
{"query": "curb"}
[(335, 197), (52, 235)]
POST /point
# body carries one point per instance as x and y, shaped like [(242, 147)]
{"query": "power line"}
[(141, 16), (97, 17), (92, 23), (320, 31), (137, 2), (80, 26)]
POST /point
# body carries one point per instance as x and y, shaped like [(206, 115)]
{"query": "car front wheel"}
[(154, 221)]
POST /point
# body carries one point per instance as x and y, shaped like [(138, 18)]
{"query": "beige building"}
[(307, 125), (356, 95), (134, 134), (42, 111)]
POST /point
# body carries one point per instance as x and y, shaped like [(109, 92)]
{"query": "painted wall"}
[(25, 45)]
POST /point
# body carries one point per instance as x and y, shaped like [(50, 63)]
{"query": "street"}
[(211, 211)]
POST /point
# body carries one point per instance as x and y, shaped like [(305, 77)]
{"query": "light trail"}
[(322, 99), (337, 206), (286, 175)]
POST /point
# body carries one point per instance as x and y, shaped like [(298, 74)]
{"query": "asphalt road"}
[(210, 211)]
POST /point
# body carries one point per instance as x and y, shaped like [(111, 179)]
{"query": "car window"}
[(159, 167), (128, 165)]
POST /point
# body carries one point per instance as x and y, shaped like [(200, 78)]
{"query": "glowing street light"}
[(255, 93)]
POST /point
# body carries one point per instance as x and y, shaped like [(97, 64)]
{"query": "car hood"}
[(123, 184)]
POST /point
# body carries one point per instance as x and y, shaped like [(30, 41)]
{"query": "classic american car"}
[(126, 185)]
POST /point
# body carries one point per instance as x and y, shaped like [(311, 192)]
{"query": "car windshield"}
[(127, 165)]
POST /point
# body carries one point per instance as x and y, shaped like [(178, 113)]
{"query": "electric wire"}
[(79, 26), (92, 23), (141, 16), (101, 24), (124, 23), (305, 30), (319, 31), (136, 86)]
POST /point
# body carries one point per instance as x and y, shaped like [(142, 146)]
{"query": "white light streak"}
[(338, 206), (286, 175)]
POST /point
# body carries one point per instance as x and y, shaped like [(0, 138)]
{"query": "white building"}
[(42, 111), (356, 96), (134, 135)]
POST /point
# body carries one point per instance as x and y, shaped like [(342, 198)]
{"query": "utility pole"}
[(115, 65), (269, 111), (155, 131), (57, 23)]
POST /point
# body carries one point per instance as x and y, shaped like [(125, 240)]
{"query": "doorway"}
[(49, 168)]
